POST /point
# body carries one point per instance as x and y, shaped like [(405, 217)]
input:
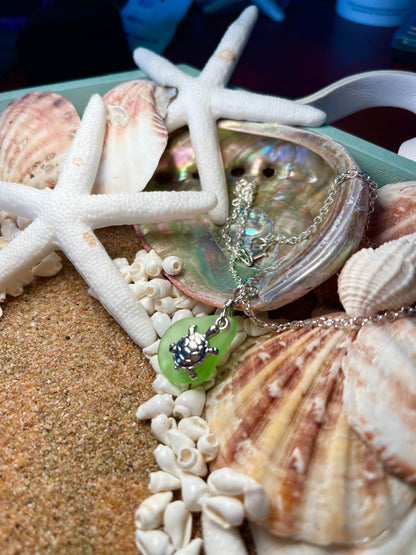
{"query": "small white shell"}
[(154, 363), (8, 229), (158, 404), (151, 350), (193, 491), (166, 460), (149, 515), (219, 540), (190, 403), (225, 358), (252, 330), (223, 510), (163, 481), (139, 288), (49, 266), (194, 427), (172, 265), (162, 385), (208, 445), (228, 481), (202, 309), (153, 542), (167, 305), (177, 523), (193, 548), (185, 302), (379, 279), (160, 425), (256, 502), (161, 322), (22, 222), (238, 339), (191, 460), (181, 313), (178, 441), (140, 256), (157, 288), (148, 304), (137, 272), (153, 264)]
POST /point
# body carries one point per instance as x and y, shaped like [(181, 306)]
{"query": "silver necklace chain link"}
[(242, 204)]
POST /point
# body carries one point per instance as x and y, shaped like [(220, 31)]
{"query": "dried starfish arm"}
[(220, 66), (22, 200), (66, 216), (244, 105), (92, 261), (146, 207), (81, 164), (202, 100)]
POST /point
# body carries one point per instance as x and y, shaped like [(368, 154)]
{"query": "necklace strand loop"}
[(236, 251)]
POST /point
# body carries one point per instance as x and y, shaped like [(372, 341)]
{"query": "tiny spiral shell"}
[(172, 265)]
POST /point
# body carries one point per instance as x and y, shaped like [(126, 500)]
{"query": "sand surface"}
[(74, 461)]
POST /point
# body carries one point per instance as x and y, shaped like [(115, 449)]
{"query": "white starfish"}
[(202, 100), (65, 217)]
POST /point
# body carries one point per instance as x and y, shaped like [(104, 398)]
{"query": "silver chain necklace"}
[(180, 353), (235, 251)]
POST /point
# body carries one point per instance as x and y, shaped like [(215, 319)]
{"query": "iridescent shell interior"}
[(294, 169)]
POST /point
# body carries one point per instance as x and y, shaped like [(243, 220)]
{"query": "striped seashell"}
[(135, 139), (380, 392), (36, 131), (394, 214), (278, 413), (379, 279), (401, 540)]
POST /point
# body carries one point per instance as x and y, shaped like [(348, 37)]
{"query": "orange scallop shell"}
[(278, 412), (380, 392)]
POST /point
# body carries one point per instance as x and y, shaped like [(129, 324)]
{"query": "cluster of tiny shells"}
[(10, 227), (166, 304), (186, 446)]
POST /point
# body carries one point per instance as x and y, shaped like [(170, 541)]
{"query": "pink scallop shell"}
[(36, 132)]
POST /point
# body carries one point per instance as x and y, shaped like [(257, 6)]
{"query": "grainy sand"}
[(74, 461)]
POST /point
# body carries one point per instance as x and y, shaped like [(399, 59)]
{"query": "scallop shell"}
[(380, 392), (394, 214), (279, 417), (136, 136), (36, 131), (379, 279), (401, 540), (294, 169)]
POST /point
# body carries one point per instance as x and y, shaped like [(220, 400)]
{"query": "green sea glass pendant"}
[(191, 348)]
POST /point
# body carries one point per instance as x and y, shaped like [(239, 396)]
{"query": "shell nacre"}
[(293, 169)]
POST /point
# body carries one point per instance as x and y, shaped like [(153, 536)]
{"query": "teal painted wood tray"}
[(383, 166)]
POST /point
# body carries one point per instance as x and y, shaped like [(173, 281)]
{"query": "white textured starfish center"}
[(202, 100), (66, 217)]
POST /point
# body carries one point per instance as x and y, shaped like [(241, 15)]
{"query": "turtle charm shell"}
[(192, 349), (183, 351)]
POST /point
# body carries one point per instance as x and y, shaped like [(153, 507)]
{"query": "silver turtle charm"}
[(191, 350)]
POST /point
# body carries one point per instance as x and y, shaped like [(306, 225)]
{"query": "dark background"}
[(312, 48)]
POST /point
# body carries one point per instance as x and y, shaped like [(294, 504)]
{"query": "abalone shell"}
[(294, 169)]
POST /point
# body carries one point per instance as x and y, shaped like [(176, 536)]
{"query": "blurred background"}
[(296, 47)]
